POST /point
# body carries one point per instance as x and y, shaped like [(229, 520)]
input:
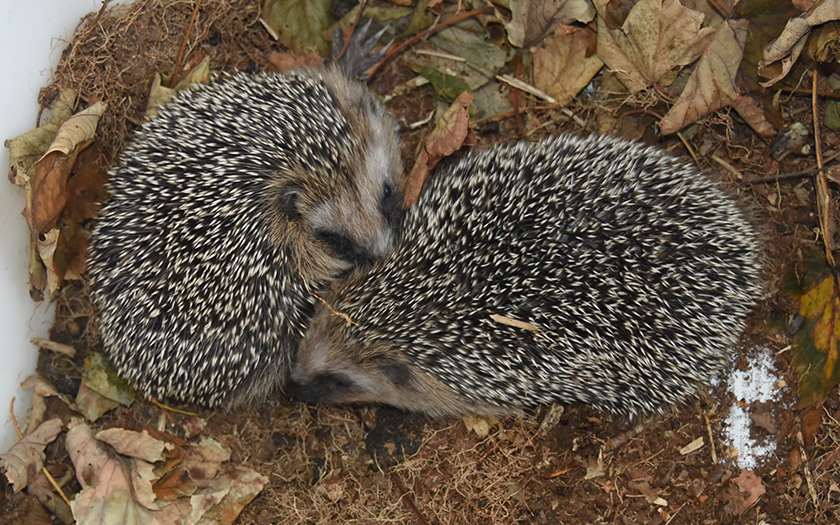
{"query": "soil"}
[(368, 464)]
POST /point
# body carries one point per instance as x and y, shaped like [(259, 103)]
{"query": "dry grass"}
[(114, 56)]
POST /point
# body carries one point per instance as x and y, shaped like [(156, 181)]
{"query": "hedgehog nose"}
[(346, 249), (322, 389)]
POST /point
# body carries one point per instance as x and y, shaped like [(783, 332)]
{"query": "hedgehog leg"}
[(358, 57)]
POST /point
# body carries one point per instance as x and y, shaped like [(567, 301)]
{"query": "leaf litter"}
[(606, 67)]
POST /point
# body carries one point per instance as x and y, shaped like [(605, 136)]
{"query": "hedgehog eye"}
[(391, 206), (290, 202)]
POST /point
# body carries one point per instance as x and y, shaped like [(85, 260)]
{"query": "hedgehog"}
[(228, 213), (589, 270)]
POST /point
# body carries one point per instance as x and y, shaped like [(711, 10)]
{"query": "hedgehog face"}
[(333, 366), (360, 223), (340, 203), (328, 372)]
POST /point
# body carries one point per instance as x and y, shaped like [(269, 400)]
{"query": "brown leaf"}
[(712, 84), (656, 38), (533, 20), (85, 187), (134, 444), (27, 455), (811, 422), (46, 195), (161, 92), (750, 488), (564, 64), (763, 417), (451, 132), (787, 48), (751, 111)]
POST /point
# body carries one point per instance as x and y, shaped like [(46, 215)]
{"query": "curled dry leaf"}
[(40, 390), (77, 129), (564, 65), (160, 94), (47, 244), (533, 20), (655, 40), (787, 48), (451, 132), (29, 147), (27, 455), (46, 193)]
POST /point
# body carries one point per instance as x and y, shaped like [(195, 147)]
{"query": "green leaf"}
[(299, 24), (816, 346), (446, 86)]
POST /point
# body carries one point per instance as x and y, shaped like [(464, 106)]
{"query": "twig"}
[(344, 316), (510, 113), (450, 21), (346, 42), (823, 192), (711, 439), (166, 409), (58, 348), (809, 478), (175, 71), (408, 500)]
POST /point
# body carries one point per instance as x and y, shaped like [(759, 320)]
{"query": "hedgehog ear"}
[(395, 371), (289, 202)]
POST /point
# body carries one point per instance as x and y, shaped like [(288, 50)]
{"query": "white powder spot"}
[(755, 385)]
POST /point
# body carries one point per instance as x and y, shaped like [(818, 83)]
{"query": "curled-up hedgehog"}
[(228, 211), (586, 270)]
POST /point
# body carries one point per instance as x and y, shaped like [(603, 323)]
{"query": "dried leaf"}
[(160, 93), (824, 44), (245, 485), (92, 404), (78, 129), (45, 194), (754, 115), (29, 147), (99, 375), (787, 48), (712, 84), (564, 64), (656, 38), (110, 500), (750, 488), (27, 455), (451, 132), (533, 20), (47, 244), (40, 390), (135, 444)]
